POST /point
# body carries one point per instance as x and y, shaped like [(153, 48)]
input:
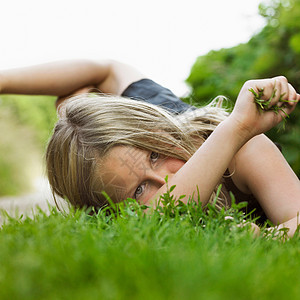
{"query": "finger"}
[(255, 229), (83, 90), (270, 88), (59, 101), (283, 92), (286, 110), (280, 91), (292, 99)]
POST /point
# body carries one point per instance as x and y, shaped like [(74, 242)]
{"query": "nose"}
[(168, 167), (159, 176), (161, 179)]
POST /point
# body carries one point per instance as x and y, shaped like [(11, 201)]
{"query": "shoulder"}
[(260, 169), (251, 158), (152, 92), (119, 77)]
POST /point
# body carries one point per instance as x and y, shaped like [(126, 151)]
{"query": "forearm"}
[(206, 167), (58, 79)]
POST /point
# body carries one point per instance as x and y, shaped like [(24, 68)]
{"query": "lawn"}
[(176, 251)]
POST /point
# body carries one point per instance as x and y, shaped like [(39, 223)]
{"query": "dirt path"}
[(27, 204)]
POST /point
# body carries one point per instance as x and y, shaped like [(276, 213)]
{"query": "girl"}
[(126, 147)]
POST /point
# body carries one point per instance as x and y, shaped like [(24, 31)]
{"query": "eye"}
[(139, 191), (154, 156)]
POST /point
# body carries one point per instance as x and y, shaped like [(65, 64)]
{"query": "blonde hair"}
[(90, 125)]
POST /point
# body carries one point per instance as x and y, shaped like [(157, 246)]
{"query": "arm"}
[(260, 169), (63, 78), (206, 167)]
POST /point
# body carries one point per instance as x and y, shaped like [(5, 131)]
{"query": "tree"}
[(275, 50)]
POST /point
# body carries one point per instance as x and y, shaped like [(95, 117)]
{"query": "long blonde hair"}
[(90, 125)]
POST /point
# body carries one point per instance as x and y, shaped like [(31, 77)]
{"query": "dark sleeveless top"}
[(151, 92), (242, 197)]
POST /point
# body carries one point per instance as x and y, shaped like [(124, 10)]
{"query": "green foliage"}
[(273, 51), (34, 112), (25, 124), (176, 251), (295, 43), (19, 155)]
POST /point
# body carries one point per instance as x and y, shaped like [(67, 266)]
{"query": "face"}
[(129, 172)]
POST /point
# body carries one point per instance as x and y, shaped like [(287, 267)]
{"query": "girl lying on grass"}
[(127, 147)]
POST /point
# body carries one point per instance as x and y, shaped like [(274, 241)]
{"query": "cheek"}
[(151, 191), (114, 185), (173, 164)]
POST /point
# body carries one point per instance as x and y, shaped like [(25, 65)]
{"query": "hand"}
[(254, 228), (83, 90), (276, 92)]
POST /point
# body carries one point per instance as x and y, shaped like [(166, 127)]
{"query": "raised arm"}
[(206, 167), (65, 77)]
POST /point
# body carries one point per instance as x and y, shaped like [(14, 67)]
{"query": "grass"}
[(264, 104), (176, 251)]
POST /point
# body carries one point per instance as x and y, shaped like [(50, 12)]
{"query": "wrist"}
[(241, 133)]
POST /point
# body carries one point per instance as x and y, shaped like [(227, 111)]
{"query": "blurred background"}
[(198, 49)]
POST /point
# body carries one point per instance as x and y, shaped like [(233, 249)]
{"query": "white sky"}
[(162, 38)]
